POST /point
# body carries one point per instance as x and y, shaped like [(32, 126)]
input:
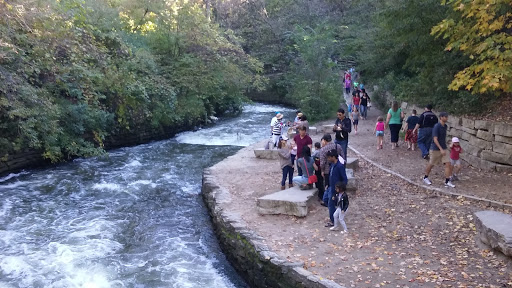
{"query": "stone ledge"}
[(270, 154), (244, 249), (292, 201), (495, 230)]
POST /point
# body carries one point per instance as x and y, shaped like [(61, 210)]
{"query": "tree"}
[(482, 30)]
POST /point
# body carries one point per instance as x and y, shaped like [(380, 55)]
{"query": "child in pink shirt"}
[(379, 132), (455, 157)]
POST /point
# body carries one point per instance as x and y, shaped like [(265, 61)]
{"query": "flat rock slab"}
[(495, 230), (292, 201), (352, 181), (270, 154), (313, 130), (352, 163)]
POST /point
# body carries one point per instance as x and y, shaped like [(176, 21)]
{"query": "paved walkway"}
[(476, 184)]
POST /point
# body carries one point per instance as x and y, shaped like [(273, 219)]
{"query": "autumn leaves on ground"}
[(400, 235)]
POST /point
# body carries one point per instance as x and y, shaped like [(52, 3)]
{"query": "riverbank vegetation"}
[(73, 72)]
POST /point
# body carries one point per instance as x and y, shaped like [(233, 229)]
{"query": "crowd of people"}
[(323, 163)]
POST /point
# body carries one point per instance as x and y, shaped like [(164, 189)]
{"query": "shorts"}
[(356, 122), (455, 162), (379, 133), (436, 157)]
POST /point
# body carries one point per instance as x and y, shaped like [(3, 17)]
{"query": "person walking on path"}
[(411, 137), (379, 132), (337, 174), (307, 164), (355, 119), (342, 127), (365, 100), (327, 145), (285, 161), (356, 101), (394, 122), (439, 151), (425, 124), (341, 199), (301, 140), (455, 151)]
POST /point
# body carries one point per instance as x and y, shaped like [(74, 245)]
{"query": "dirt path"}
[(493, 186), (400, 235)]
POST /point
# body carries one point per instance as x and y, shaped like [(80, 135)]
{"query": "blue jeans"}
[(364, 111), (424, 140), (344, 145), (287, 172), (299, 170), (300, 180), (331, 204)]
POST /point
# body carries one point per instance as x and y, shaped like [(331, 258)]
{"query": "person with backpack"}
[(426, 122)]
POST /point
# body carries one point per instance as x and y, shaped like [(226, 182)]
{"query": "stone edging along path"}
[(246, 251), (451, 194)]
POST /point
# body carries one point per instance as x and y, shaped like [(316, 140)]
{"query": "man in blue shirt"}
[(337, 174), (439, 151)]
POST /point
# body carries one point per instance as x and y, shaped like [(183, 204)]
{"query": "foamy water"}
[(133, 219)]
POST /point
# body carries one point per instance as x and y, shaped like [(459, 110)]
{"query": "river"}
[(134, 218)]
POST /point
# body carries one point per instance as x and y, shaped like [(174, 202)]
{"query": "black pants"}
[(395, 131), (320, 184)]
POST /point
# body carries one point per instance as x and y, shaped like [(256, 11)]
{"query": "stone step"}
[(292, 201), (313, 130), (352, 163), (352, 181), (495, 230), (262, 153)]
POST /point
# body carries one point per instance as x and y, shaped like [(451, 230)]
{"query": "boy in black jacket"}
[(341, 199)]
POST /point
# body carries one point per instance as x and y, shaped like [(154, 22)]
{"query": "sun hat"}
[(283, 137), (299, 114), (279, 116), (455, 140)]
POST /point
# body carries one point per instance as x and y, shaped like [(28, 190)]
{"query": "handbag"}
[(311, 179)]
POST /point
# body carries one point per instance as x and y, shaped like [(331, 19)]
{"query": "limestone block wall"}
[(487, 144)]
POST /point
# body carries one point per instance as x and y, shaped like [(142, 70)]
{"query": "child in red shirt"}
[(455, 157)]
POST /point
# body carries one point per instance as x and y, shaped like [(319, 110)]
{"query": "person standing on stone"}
[(318, 171), (302, 139), (277, 129), (425, 124), (273, 122), (283, 152), (439, 151), (337, 174), (394, 122), (342, 127), (327, 145)]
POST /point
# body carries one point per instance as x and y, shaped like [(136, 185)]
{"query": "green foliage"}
[(482, 31), (73, 72)]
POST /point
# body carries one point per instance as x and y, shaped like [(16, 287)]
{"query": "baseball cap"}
[(455, 140)]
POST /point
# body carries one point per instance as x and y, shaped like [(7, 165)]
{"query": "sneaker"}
[(455, 178), (427, 181), (449, 184), (426, 157), (329, 224), (334, 228)]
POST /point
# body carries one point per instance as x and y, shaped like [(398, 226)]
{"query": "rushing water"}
[(132, 219)]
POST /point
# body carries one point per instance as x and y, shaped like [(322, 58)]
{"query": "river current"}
[(134, 218)]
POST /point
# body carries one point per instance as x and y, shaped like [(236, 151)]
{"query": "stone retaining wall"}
[(487, 144), (33, 158), (246, 251)]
